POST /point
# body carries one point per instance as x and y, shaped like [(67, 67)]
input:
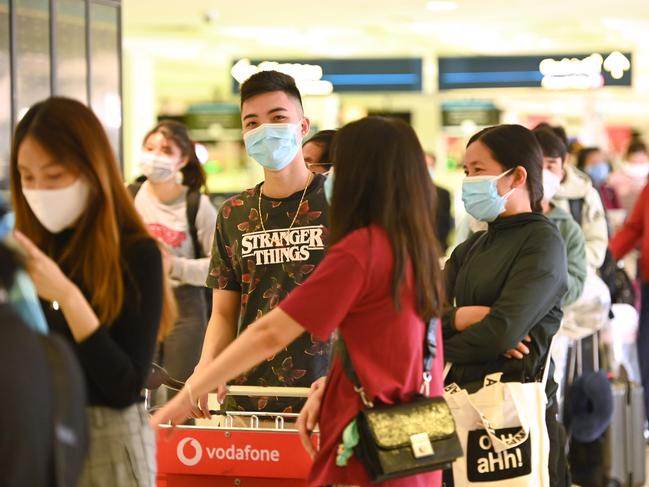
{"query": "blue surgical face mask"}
[(273, 145), (329, 187), (598, 172), (481, 198)]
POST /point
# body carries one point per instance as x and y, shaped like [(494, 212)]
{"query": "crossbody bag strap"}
[(430, 349), (341, 349)]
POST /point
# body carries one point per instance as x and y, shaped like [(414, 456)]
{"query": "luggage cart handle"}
[(255, 391), (159, 376)]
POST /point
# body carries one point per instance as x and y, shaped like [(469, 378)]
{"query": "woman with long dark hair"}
[(183, 220), (507, 283), (98, 274), (384, 282)]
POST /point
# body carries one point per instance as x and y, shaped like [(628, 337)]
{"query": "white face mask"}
[(636, 170), (157, 169), (551, 183), (58, 209)]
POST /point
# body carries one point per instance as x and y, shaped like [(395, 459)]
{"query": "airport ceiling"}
[(348, 28)]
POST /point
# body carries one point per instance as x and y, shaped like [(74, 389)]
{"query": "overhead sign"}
[(324, 76), (308, 77), (555, 72), (459, 112)]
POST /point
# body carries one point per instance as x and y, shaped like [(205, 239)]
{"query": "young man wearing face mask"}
[(588, 298), (268, 240), (572, 235), (577, 196)]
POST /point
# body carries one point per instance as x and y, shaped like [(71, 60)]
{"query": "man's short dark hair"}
[(551, 144), (557, 130), (267, 82)]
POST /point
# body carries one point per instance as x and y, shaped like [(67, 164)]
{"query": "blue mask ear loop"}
[(508, 193)]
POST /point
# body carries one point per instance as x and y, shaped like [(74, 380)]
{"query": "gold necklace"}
[(261, 218)]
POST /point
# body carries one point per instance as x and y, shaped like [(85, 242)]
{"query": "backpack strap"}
[(577, 209), (193, 202), (134, 189)]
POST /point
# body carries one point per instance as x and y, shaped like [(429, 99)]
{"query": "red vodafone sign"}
[(217, 452)]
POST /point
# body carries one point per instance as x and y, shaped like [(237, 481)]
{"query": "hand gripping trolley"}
[(237, 449)]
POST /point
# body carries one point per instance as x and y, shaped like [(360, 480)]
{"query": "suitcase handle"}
[(579, 352)]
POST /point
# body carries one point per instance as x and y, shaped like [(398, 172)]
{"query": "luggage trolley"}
[(234, 448)]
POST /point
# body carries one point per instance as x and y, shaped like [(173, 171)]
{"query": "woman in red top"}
[(384, 282), (636, 231)]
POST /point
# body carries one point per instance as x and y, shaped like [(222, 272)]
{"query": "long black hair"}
[(381, 179), (512, 146)]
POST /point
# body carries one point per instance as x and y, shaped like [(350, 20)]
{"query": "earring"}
[(180, 177)]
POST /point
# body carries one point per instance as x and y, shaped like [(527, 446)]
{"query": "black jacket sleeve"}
[(117, 358), (535, 284), (451, 268)]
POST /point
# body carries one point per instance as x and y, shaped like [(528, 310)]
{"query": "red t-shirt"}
[(351, 290)]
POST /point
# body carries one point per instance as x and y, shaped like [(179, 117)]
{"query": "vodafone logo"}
[(195, 458)]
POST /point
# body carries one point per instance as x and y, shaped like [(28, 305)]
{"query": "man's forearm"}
[(218, 336), (222, 326)]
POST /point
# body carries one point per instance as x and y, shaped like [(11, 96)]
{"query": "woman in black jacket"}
[(506, 284)]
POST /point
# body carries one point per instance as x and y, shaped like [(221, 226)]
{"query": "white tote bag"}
[(503, 433)]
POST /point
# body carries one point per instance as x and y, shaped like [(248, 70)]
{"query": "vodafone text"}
[(232, 452), (247, 453)]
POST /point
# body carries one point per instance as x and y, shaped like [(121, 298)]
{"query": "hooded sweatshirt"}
[(578, 186), (573, 237)]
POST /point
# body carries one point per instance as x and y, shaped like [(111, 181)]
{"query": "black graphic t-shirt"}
[(264, 266)]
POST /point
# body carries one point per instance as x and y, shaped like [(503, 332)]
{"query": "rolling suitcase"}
[(617, 459), (587, 460), (624, 440)]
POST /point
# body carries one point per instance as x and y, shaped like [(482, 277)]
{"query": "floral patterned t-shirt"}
[(264, 266)]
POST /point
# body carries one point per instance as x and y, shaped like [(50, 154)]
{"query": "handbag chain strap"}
[(430, 349)]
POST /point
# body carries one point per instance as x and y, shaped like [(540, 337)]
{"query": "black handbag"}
[(404, 439)]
